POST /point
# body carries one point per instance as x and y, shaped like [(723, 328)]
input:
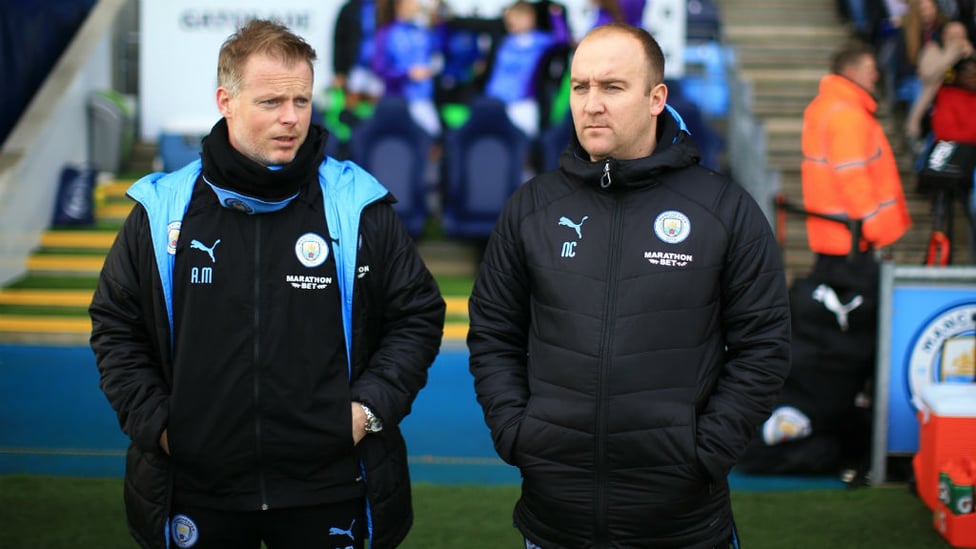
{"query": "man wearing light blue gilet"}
[(262, 324)]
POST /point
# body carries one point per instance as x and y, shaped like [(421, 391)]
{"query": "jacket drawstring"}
[(605, 180)]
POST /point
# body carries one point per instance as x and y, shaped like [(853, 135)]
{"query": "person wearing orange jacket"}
[(848, 168)]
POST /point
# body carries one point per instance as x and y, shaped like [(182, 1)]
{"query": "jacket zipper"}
[(601, 537), (256, 347)]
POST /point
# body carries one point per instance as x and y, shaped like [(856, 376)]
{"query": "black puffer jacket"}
[(629, 332), (397, 317)]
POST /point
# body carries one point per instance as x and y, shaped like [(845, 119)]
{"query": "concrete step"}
[(76, 329), (67, 330), (794, 31), (79, 240), (65, 264), (456, 305), (46, 297), (446, 257)]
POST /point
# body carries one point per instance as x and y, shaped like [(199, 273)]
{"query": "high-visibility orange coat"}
[(849, 170)]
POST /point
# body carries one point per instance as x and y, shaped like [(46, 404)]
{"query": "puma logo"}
[(567, 222), (826, 295), (197, 245), (340, 532)]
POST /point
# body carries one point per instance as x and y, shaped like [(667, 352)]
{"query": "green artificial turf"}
[(40, 512)]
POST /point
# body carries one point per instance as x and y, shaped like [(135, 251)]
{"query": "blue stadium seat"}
[(551, 143), (392, 147), (705, 81), (177, 149), (703, 22), (709, 141), (483, 161)]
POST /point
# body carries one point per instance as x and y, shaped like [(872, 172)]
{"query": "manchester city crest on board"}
[(944, 350)]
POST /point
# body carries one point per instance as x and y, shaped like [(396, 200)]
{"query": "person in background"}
[(262, 324), (465, 46), (406, 59), (935, 61), (889, 41), (352, 51), (848, 168), (630, 12), (921, 25), (629, 325), (516, 61), (955, 105)]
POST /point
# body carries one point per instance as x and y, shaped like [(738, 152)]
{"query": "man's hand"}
[(358, 423), (164, 442)]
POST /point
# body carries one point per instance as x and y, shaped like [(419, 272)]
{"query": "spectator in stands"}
[(223, 323), (465, 53), (516, 61), (352, 50), (630, 12), (934, 62), (406, 52), (848, 168), (629, 323), (921, 25), (856, 11), (889, 43), (551, 17), (954, 110)]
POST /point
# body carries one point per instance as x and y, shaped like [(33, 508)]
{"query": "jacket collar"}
[(675, 149), (844, 89)]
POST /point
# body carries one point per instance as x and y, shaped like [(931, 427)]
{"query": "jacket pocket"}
[(147, 492)]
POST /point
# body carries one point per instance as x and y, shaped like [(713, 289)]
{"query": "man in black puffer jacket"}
[(262, 324), (630, 321)]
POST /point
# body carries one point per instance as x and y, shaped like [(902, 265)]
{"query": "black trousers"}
[(332, 526)]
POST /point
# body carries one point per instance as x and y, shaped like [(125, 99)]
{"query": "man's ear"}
[(224, 102), (658, 99)]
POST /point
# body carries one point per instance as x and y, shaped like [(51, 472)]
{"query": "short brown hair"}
[(259, 36), (849, 55), (650, 46)]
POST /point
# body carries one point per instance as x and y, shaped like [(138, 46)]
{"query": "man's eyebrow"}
[(602, 81)]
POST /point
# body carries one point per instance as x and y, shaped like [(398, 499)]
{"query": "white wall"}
[(179, 44)]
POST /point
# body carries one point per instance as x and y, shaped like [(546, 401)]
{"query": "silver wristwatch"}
[(373, 423)]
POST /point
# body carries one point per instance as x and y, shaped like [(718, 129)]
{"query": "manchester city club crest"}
[(172, 236), (239, 205), (311, 249), (185, 532), (944, 350), (672, 226)]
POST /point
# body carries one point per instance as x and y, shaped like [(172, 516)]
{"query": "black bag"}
[(949, 165), (833, 313), (75, 204)]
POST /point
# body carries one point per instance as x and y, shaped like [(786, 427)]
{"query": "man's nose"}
[(289, 113)]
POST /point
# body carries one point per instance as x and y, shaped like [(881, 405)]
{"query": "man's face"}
[(268, 119), (865, 73), (966, 77), (614, 112)]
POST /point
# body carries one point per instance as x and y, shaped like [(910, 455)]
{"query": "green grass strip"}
[(46, 282), (44, 512)]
